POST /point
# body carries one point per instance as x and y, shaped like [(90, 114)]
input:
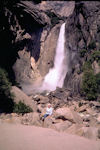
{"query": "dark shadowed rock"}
[(41, 99), (61, 93), (34, 11)]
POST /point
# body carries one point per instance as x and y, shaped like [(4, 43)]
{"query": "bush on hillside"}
[(6, 102), (98, 81), (83, 52), (54, 18), (21, 108), (90, 82), (89, 85), (96, 55), (87, 66)]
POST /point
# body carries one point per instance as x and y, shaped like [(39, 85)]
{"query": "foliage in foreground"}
[(21, 108)]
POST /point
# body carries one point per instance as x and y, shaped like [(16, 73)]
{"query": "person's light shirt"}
[(49, 110)]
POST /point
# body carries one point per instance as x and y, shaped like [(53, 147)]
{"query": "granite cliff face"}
[(33, 32), (82, 32)]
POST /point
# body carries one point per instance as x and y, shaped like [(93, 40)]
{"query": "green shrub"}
[(21, 108), (99, 62), (6, 102), (98, 78), (90, 82), (89, 85), (83, 52), (54, 18), (5, 85), (96, 55), (98, 81), (87, 66)]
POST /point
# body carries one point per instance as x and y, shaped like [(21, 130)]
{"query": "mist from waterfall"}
[(56, 75)]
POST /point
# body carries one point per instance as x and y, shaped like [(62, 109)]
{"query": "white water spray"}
[(56, 75)]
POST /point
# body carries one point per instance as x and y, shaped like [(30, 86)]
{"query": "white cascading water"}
[(56, 75)]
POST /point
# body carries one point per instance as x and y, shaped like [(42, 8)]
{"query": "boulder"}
[(55, 102), (68, 114), (11, 118), (31, 119), (93, 122), (40, 109), (82, 108), (48, 122), (22, 68), (14, 120), (91, 111), (98, 133), (75, 129), (19, 95), (61, 93), (81, 130), (96, 67), (98, 118), (95, 104), (62, 126), (89, 132), (85, 117), (41, 99)]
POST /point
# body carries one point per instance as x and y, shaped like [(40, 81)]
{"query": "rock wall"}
[(47, 51), (81, 31), (43, 32)]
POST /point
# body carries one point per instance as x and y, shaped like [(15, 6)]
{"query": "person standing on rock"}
[(49, 111)]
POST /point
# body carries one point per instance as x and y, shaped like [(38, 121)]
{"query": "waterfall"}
[(56, 75)]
